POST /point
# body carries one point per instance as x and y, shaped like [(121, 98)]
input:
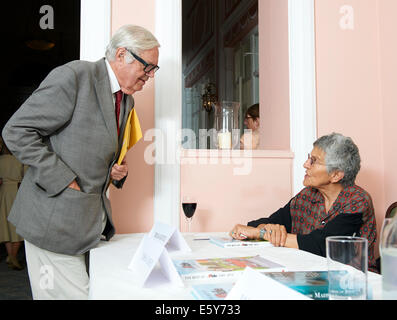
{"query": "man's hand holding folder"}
[(132, 134)]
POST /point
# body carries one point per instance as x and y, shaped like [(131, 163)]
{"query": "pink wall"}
[(133, 205), (388, 69), (355, 96), (274, 74), (356, 88), (224, 198)]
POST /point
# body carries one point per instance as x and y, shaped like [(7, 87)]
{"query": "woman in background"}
[(250, 139), (11, 174)]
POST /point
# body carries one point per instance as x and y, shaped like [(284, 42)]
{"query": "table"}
[(111, 279)]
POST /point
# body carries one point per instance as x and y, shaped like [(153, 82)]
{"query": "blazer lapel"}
[(104, 95)]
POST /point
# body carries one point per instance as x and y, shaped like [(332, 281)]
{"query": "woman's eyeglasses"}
[(312, 160)]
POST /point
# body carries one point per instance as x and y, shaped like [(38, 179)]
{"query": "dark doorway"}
[(37, 35)]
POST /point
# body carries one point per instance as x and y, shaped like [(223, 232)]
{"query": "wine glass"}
[(189, 205)]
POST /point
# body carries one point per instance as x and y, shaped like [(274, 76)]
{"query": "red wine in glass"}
[(189, 208)]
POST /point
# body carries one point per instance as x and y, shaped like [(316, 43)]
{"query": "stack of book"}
[(229, 242)]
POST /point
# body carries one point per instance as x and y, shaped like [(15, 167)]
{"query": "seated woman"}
[(329, 205), (250, 139)]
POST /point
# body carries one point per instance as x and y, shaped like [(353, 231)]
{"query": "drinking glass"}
[(347, 259), (388, 253), (189, 205)]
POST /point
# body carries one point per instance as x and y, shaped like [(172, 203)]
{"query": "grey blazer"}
[(66, 130)]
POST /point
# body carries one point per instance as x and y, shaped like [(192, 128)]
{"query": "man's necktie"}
[(119, 96)]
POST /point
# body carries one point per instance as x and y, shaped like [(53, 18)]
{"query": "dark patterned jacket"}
[(352, 213)]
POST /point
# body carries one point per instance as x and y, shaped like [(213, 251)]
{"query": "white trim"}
[(95, 28), (303, 113), (168, 110)]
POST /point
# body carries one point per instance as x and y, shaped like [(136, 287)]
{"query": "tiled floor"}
[(14, 285)]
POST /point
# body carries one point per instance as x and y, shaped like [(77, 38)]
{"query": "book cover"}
[(211, 291), (201, 269), (229, 242), (313, 284)]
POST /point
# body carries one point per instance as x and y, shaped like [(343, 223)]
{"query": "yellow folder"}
[(132, 134)]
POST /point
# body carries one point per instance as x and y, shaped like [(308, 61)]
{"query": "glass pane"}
[(220, 63)]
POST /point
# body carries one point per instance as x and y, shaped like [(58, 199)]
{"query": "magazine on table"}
[(228, 268), (229, 242), (211, 291), (313, 284)]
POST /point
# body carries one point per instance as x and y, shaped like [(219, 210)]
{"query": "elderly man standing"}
[(69, 133)]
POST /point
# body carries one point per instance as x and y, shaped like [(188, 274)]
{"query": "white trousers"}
[(55, 276)]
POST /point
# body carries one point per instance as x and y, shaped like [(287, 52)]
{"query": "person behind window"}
[(250, 138), (331, 204)]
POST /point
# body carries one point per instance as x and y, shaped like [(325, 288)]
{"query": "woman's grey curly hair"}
[(341, 154)]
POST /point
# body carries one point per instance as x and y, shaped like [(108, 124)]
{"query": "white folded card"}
[(170, 237), (253, 285), (151, 263)]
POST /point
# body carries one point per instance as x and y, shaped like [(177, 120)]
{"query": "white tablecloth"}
[(110, 277)]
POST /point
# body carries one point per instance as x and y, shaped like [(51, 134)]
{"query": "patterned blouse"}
[(352, 213)]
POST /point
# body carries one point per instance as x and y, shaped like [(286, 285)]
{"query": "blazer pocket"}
[(76, 220)]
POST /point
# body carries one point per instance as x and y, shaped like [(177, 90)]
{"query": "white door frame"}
[(95, 28), (302, 76), (168, 111)]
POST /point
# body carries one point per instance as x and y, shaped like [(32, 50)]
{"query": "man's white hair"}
[(134, 38)]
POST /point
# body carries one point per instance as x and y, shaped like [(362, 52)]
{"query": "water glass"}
[(347, 259), (388, 252)]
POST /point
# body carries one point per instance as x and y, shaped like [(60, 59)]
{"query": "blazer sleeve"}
[(27, 133)]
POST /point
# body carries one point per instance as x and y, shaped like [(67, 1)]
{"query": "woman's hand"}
[(241, 232), (275, 233)]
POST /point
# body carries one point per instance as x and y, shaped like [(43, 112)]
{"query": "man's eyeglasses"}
[(312, 160), (148, 68)]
